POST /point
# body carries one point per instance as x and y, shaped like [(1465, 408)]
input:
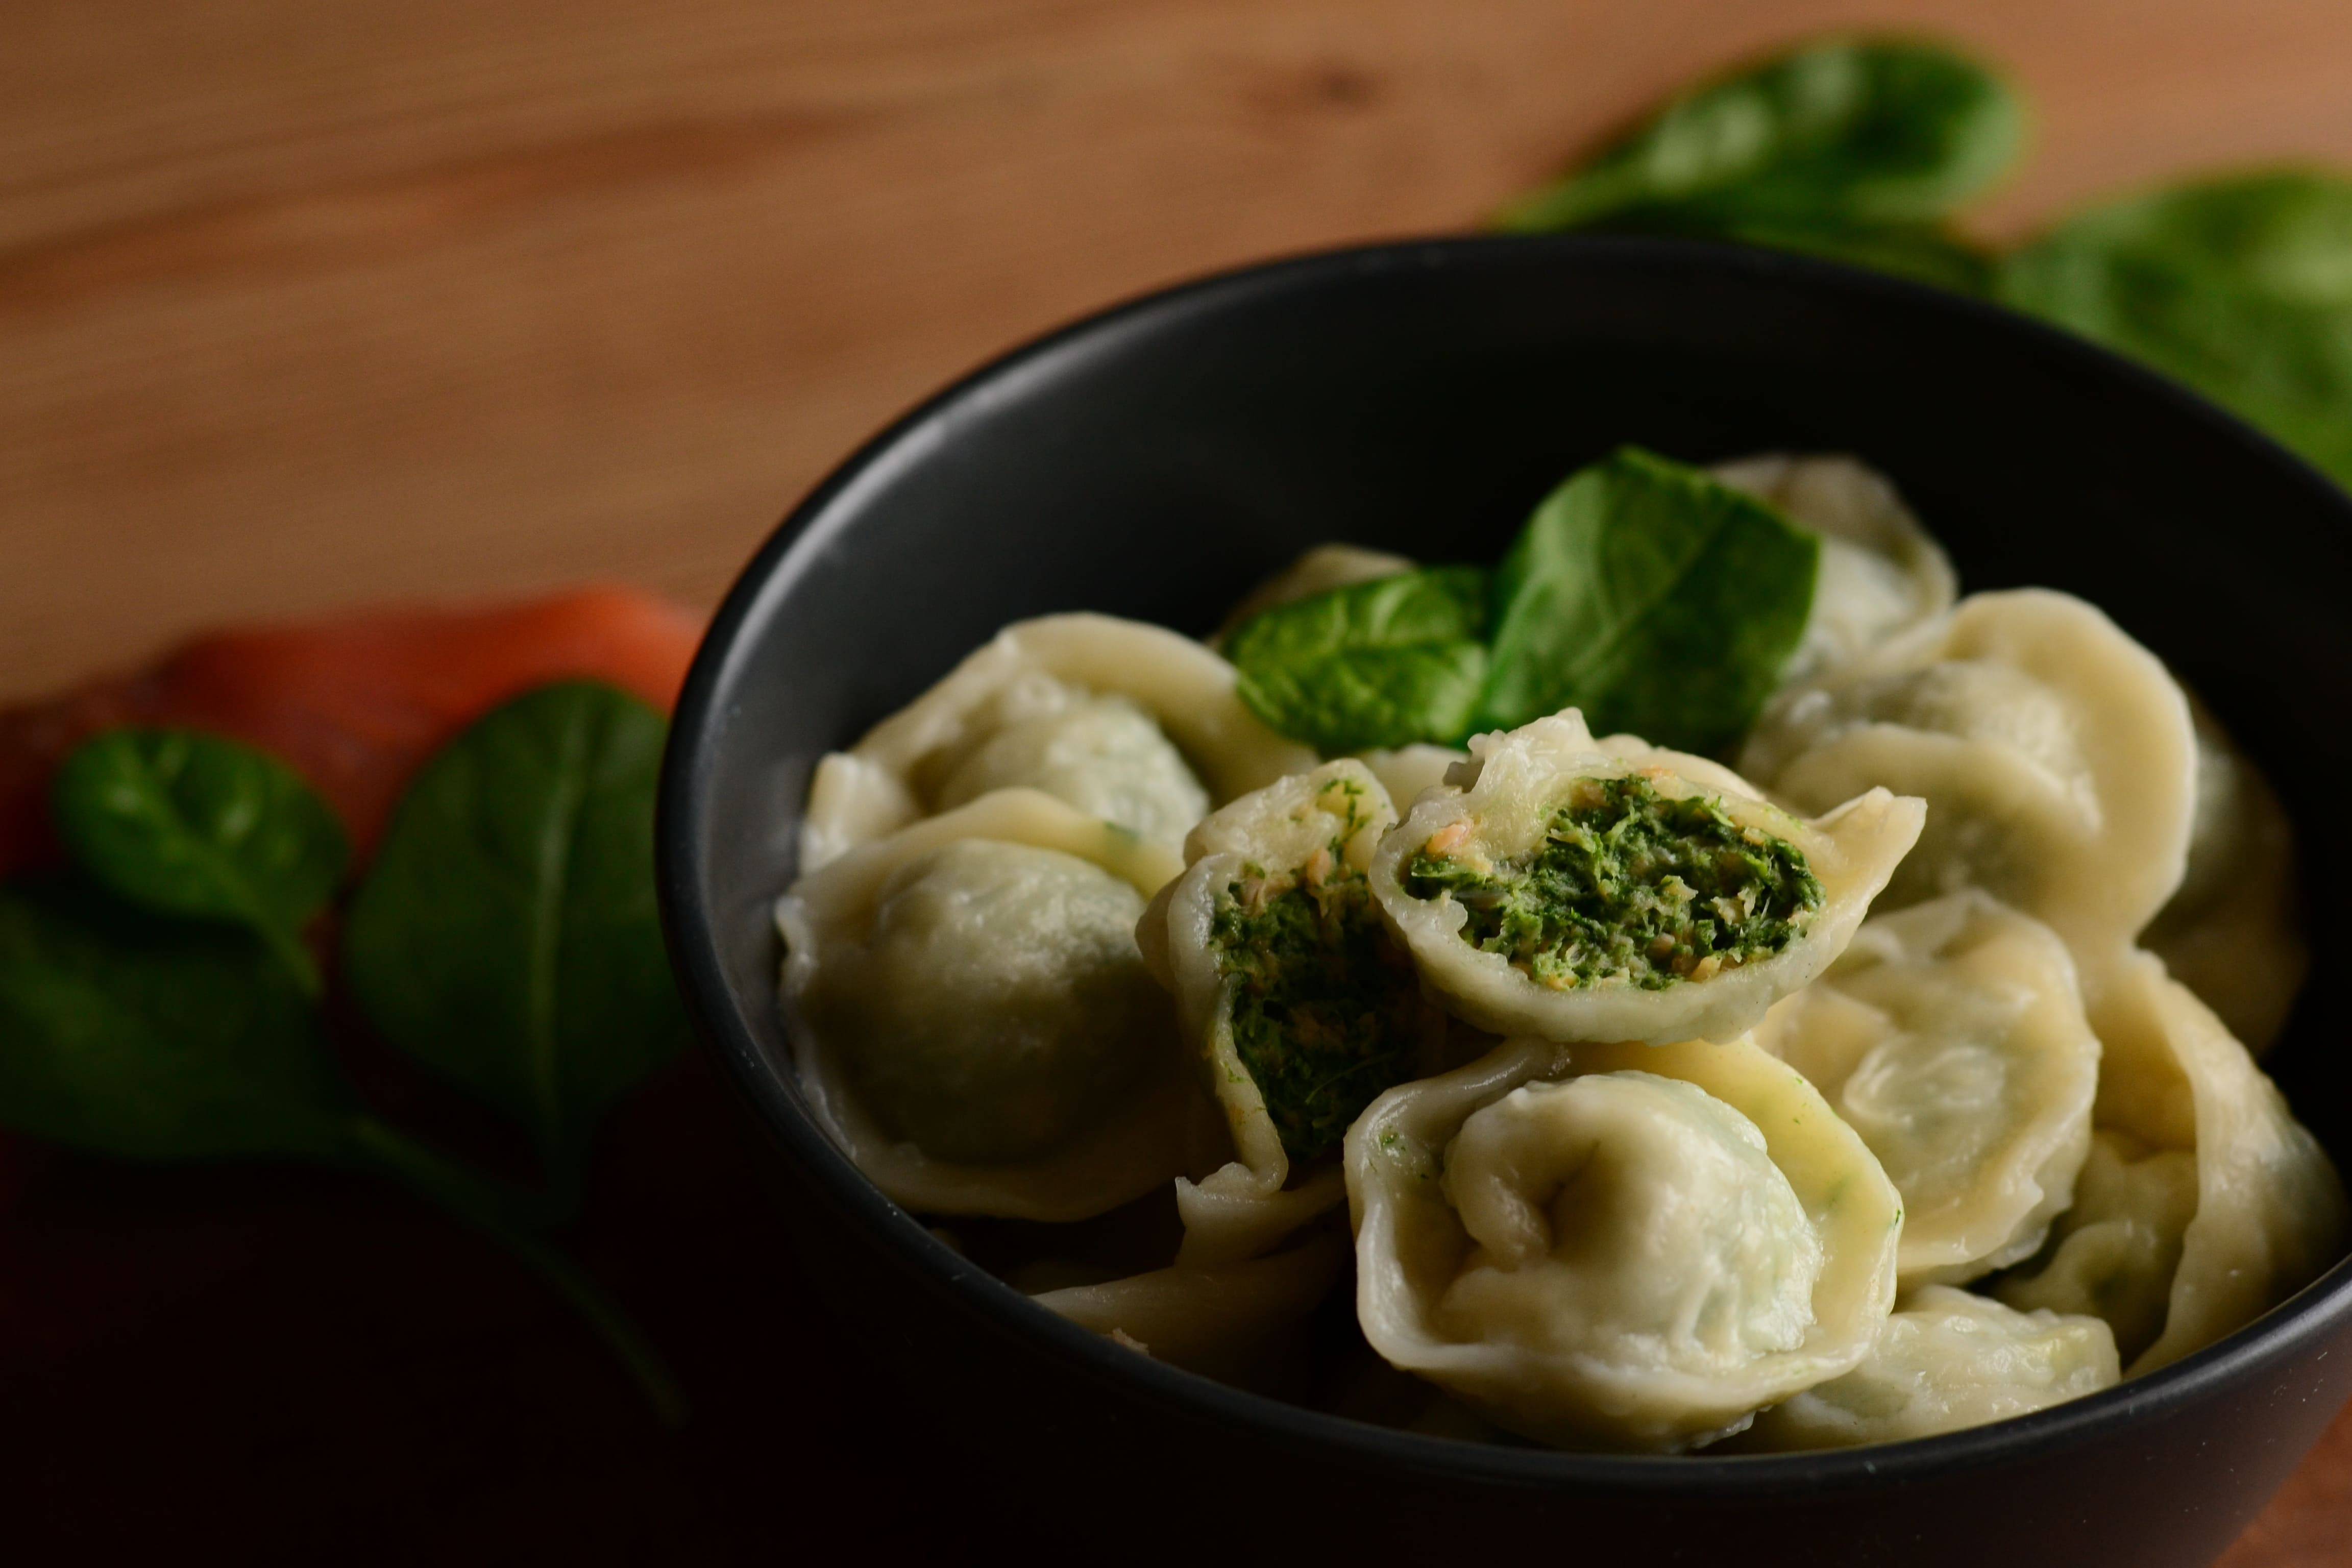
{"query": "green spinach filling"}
[(1326, 1010), (1628, 887)]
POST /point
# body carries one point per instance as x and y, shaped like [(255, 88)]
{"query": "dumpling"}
[(1584, 890), (1292, 992), (2230, 932), (2115, 1250), (1625, 1246), (1239, 1321), (1946, 1360), (2269, 1212), (1318, 571), (1951, 1037), (1126, 721), (1880, 571), (971, 1020), (1405, 771), (2055, 755)]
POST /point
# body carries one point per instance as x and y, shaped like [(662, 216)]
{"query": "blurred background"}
[(304, 306)]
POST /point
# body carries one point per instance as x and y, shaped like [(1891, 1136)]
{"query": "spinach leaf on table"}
[(191, 824), (1840, 136), (1654, 598), (2242, 287), (135, 1034), (1383, 663), (507, 936)]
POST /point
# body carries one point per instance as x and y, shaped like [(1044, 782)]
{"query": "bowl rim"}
[(2320, 1312)]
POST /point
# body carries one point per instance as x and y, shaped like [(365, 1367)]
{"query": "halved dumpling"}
[(1290, 988), (1951, 1036), (1619, 1246), (1946, 1360), (973, 1024), (1582, 889), (1127, 722)]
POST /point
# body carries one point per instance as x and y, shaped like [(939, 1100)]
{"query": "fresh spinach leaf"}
[(1383, 663), (507, 936), (135, 1034), (2242, 287), (1653, 598), (191, 824), (1842, 135)]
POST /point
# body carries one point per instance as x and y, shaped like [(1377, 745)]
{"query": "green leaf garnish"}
[(2242, 287), (507, 936), (190, 824), (1653, 598), (151, 1038), (1843, 135), (1383, 663)]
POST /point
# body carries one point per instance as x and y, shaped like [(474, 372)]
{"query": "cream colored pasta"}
[(1619, 1246), (1951, 1037), (2269, 1213), (1946, 1360), (2230, 933), (1307, 839), (1238, 1322), (1505, 810), (2055, 755), (972, 1020), (1130, 722), (1879, 574)]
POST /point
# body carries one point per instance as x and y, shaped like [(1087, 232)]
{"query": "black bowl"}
[(1154, 461)]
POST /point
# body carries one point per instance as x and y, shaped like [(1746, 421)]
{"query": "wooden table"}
[(304, 306)]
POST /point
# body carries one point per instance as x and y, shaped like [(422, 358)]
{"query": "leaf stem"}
[(510, 1219)]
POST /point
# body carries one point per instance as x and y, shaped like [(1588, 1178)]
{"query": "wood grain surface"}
[(305, 306)]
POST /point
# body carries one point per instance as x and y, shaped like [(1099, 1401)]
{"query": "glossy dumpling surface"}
[(2232, 933), (1577, 889), (1124, 720), (1946, 1360), (2055, 755), (974, 1022), (1620, 1246), (1951, 1036), (2269, 1212), (1103, 754)]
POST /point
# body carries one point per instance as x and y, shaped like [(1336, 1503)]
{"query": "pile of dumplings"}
[(1987, 1132)]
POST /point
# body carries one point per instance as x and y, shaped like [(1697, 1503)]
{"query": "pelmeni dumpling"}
[(1951, 1037), (1238, 1322), (1582, 889), (1946, 1360), (1318, 571), (2230, 932), (1409, 772), (2055, 755), (1293, 993), (1880, 573), (2269, 1211), (2115, 1250), (1126, 721), (1628, 1246), (972, 1022)]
